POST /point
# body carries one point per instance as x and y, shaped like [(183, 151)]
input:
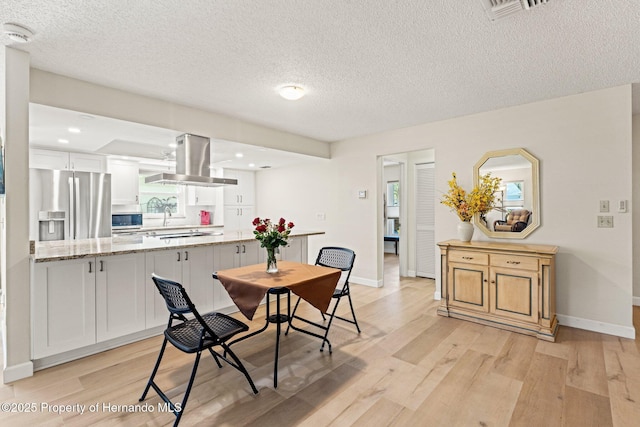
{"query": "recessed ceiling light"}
[(86, 117), (74, 130), (291, 92), (252, 165), (17, 33), (63, 141), (239, 155), (173, 145)]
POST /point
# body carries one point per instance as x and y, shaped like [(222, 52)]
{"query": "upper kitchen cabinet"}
[(63, 160), (124, 182), (201, 196), (243, 194)]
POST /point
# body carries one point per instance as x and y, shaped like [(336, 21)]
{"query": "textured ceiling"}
[(367, 65)]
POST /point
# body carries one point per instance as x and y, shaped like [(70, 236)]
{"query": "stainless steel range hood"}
[(192, 165)]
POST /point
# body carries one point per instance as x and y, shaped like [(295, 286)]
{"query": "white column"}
[(15, 276)]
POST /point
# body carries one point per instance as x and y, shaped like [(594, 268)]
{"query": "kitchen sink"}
[(182, 234)]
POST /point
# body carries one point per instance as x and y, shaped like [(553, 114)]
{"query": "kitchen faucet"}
[(167, 210)]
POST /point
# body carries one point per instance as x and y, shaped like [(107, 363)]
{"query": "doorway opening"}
[(406, 221)]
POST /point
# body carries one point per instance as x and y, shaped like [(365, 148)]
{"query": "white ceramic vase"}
[(465, 231)]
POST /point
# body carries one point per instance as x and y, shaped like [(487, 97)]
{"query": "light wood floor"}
[(409, 367)]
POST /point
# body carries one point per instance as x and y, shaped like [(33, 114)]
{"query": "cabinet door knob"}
[(237, 249), (493, 282), (513, 262), (186, 255), (178, 256), (467, 257), (90, 267), (101, 265)]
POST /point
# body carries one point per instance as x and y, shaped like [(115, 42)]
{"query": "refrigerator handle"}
[(72, 217), (76, 209)]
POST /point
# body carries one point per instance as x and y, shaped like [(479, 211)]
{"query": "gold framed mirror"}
[(517, 210)]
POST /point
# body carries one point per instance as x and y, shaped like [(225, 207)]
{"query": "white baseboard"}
[(437, 295), (411, 273), (636, 300), (595, 326), (17, 372), (366, 282)]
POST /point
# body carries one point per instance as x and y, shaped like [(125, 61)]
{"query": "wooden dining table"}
[(248, 285)]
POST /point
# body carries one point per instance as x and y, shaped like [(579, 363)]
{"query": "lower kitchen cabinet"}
[(295, 250), (63, 306), (120, 295), (232, 255), (508, 286), (77, 303), (191, 267)]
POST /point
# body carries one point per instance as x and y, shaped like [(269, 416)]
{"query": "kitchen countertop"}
[(60, 250)]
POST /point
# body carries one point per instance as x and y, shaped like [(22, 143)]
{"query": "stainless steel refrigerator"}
[(66, 205)]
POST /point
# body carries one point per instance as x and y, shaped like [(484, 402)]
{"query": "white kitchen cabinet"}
[(124, 182), (238, 217), (295, 250), (232, 256), (191, 267), (202, 196), (243, 194), (63, 160), (120, 295), (63, 308)]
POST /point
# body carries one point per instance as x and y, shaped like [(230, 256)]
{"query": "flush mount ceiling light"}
[(291, 92), (17, 33)]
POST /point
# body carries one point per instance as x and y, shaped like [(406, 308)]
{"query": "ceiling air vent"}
[(498, 9)]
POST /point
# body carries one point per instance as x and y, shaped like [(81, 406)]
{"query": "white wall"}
[(77, 95), (583, 143), (635, 209), (14, 125)]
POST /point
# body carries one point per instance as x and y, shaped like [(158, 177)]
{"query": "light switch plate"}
[(604, 206), (605, 221), (622, 206)]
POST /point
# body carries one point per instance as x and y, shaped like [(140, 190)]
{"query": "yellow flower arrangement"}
[(480, 200)]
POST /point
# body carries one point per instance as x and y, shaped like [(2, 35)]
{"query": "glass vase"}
[(272, 264)]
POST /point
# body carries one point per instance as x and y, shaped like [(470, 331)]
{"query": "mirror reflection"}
[(516, 213)]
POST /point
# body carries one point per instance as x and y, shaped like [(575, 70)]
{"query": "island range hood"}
[(192, 164)]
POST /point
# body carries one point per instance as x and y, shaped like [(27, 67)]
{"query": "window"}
[(514, 191), (155, 198), (393, 194)]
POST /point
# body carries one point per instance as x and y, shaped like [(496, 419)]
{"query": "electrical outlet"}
[(605, 221), (604, 206)]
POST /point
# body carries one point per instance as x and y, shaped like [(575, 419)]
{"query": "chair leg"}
[(333, 312), (215, 357), (179, 411), (155, 370), (353, 313), (239, 366), (295, 307)]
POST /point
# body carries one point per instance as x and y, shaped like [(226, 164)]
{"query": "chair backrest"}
[(336, 257), (518, 215), (179, 303), (174, 295)]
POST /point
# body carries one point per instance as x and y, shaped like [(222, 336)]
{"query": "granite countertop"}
[(60, 250)]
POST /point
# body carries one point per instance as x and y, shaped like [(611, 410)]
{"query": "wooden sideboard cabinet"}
[(508, 286)]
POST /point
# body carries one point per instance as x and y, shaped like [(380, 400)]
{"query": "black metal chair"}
[(193, 336), (334, 257)]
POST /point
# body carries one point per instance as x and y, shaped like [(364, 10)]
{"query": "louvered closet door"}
[(425, 220)]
